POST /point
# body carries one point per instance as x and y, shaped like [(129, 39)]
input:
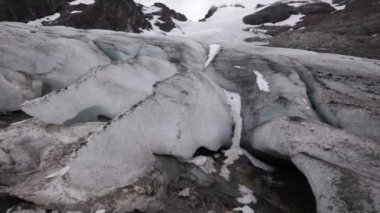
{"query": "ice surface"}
[(186, 112), (33, 63), (105, 91), (16, 87), (29, 143)]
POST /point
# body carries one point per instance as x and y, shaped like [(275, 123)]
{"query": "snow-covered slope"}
[(225, 25)]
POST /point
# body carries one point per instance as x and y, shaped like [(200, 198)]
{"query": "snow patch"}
[(239, 67), (75, 11), (261, 82), (291, 21), (184, 193), (60, 173), (205, 163), (244, 209), (38, 22), (234, 100), (214, 50), (247, 196), (76, 2)]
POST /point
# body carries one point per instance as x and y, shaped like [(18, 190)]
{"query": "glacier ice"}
[(187, 111), (16, 87), (33, 63), (104, 91), (29, 143)]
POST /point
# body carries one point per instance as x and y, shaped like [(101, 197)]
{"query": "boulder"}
[(272, 14), (318, 7), (210, 13)]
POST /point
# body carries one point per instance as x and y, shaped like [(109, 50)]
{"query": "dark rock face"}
[(166, 16), (319, 7), (271, 14), (210, 13), (352, 31), (120, 15), (259, 6), (213, 9), (274, 30), (167, 12), (24, 10)]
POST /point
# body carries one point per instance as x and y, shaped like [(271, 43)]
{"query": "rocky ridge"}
[(352, 30)]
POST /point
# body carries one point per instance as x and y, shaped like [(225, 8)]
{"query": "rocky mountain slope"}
[(352, 30), (23, 11), (107, 14)]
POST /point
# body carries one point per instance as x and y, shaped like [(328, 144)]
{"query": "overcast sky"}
[(193, 9)]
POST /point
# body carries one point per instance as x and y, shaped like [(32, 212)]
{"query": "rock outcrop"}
[(313, 8), (272, 14), (165, 17), (24, 10), (352, 31), (119, 15)]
